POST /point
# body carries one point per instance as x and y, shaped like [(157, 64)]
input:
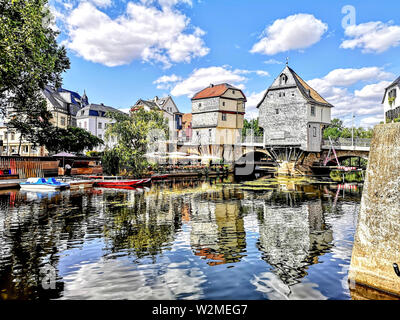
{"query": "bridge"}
[(258, 155)]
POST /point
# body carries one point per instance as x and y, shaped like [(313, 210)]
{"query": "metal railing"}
[(252, 139), (347, 142)]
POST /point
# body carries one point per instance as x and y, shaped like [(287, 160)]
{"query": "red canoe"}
[(121, 183)]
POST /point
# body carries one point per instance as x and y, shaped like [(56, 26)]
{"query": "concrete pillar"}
[(377, 238)]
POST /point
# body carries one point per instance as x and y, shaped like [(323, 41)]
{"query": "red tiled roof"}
[(214, 91)]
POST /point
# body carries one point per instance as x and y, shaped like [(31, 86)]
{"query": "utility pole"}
[(352, 130)]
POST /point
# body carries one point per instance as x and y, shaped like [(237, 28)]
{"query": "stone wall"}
[(377, 239)]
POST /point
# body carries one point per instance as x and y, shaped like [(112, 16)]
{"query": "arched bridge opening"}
[(254, 164)]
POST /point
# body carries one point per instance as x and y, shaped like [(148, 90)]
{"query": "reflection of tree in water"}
[(145, 227), (218, 232), (34, 230), (292, 237)]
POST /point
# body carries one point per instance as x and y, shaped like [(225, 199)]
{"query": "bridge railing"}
[(252, 139), (347, 142)]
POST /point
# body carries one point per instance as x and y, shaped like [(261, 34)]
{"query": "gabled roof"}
[(215, 91), (100, 108), (394, 83), (309, 93)]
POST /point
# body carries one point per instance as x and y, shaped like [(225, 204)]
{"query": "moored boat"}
[(41, 184), (121, 183)]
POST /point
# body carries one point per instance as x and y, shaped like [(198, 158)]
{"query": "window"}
[(280, 94), (199, 104), (224, 117), (283, 79), (223, 103), (100, 136), (277, 111), (313, 111), (85, 124), (62, 121), (233, 91), (100, 125), (314, 131), (26, 149)]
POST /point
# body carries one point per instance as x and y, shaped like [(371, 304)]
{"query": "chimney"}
[(155, 99), (211, 85)]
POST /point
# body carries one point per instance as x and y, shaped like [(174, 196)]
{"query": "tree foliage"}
[(30, 59), (337, 130), (72, 139), (131, 133), (252, 125)]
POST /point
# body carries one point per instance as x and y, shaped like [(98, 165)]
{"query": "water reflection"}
[(178, 240)]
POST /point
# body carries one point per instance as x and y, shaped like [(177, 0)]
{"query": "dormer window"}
[(283, 79)]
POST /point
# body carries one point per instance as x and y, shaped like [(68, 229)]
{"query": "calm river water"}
[(179, 240)]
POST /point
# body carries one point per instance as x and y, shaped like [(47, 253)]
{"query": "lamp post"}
[(352, 130)]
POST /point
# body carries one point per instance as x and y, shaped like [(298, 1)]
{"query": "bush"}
[(110, 162)]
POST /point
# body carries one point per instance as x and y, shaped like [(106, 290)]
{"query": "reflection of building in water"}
[(217, 230), (292, 238)]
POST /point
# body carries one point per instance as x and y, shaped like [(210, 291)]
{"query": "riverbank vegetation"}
[(337, 130)]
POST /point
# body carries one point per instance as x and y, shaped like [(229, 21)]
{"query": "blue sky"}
[(121, 51)]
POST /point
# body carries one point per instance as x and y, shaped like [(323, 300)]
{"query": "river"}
[(210, 239)]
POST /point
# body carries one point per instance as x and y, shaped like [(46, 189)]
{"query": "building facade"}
[(391, 104), (217, 116), (293, 114), (63, 105), (170, 113), (93, 118)]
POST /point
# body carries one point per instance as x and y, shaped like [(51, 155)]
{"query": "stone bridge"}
[(254, 148)]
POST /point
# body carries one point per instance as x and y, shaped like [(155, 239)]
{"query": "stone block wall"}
[(377, 239)]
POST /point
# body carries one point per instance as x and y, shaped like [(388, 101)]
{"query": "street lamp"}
[(352, 130)]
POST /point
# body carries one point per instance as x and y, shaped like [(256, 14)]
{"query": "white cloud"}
[(374, 36), (251, 105), (101, 3), (273, 61), (143, 32), (371, 121), (298, 31), (203, 77), (372, 91), (166, 82), (365, 102)]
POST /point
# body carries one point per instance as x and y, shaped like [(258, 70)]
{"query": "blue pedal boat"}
[(41, 184)]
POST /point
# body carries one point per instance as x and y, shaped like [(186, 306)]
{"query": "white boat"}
[(41, 184)]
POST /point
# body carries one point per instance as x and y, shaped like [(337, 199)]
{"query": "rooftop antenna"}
[(287, 60)]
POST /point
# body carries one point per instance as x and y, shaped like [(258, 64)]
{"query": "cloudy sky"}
[(121, 51)]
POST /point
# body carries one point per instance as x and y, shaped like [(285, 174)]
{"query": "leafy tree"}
[(337, 130), (131, 132), (253, 125), (73, 140), (30, 59)]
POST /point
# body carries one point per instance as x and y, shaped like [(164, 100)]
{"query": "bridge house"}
[(293, 116), (217, 119)]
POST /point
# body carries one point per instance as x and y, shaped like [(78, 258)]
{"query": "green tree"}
[(30, 59), (131, 133), (253, 125), (72, 139)]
